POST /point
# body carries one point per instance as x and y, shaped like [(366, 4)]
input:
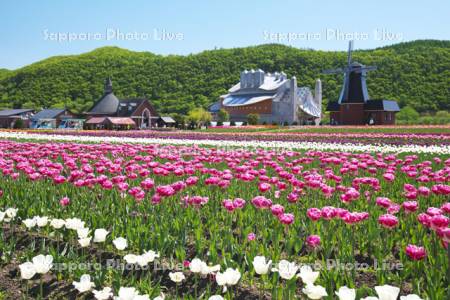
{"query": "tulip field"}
[(148, 216)]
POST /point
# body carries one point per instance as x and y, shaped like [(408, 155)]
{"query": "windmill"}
[(354, 89)]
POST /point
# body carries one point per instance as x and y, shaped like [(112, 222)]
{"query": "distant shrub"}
[(19, 124), (252, 119)]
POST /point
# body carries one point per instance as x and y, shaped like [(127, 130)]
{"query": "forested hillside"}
[(415, 73)]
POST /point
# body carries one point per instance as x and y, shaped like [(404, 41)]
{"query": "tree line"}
[(416, 74)]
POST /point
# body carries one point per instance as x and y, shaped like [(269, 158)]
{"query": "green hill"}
[(414, 73)]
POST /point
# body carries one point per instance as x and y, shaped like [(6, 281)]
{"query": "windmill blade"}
[(349, 55), (333, 71)]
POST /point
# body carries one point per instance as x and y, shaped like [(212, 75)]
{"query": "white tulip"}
[(100, 235), (82, 233), (228, 278), (287, 270), (29, 223), (150, 256), (196, 265), (84, 242), (307, 275), (27, 270), (127, 293), (57, 223), (209, 269), (74, 223), (216, 297), (11, 212), (315, 291), (345, 293), (410, 297), (41, 221), (260, 265), (42, 263), (177, 276), (84, 284), (131, 259), (387, 292), (2, 216), (370, 298), (103, 294), (120, 243)]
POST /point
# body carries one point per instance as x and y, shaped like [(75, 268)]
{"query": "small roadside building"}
[(110, 112), (166, 122), (52, 118), (10, 117)]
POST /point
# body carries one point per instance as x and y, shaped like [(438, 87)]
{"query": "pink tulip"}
[(383, 202), (264, 187), (439, 221), (238, 203), (251, 236), (147, 184), (314, 214), (424, 219), (446, 207), (410, 206), (277, 209), (286, 219), (388, 221), (65, 201), (415, 252), (313, 241), (328, 212)]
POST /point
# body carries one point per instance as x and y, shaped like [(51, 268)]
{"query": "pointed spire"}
[(108, 85)]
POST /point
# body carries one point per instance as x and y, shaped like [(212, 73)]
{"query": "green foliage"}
[(252, 119), (407, 114), (223, 115), (199, 116), (415, 74), (19, 124)]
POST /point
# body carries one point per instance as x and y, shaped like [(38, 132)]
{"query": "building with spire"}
[(274, 97), (113, 113)]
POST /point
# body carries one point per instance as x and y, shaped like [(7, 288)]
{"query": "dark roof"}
[(13, 112), (127, 107), (107, 105), (48, 114), (333, 106), (167, 120), (215, 107), (382, 105)]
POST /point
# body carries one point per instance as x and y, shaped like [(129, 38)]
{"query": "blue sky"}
[(29, 29)]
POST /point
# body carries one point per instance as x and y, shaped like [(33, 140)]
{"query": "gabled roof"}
[(127, 107), (13, 112), (96, 120), (48, 114), (121, 121), (382, 105), (167, 119)]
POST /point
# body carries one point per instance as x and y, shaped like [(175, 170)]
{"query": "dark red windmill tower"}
[(354, 106)]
